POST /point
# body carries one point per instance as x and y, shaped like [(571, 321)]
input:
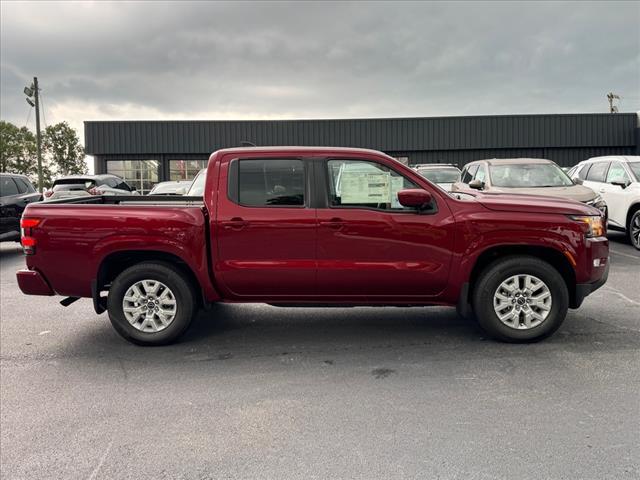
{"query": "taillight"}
[(48, 193), (94, 191), (28, 242)]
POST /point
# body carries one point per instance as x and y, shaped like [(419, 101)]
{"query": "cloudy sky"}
[(180, 60)]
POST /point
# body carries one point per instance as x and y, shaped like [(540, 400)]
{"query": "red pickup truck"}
[(302, 226)]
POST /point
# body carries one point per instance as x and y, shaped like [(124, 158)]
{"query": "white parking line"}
[(623, 254), (621, 295)]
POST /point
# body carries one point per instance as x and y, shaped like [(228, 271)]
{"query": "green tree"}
[(64, 150), (17, 150)]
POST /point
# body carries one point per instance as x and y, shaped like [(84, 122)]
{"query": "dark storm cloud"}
[(305, 60)]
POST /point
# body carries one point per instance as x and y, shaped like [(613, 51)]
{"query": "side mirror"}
[(134, 189), (620, 184), (476, 184), (415, 198), (577, 180)]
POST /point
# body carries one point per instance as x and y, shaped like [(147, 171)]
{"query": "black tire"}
[(499, 271), (634, 234), (175, 280)]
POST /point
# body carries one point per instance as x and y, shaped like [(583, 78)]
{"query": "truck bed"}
[(160, 200)]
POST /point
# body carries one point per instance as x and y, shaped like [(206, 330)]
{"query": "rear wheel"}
[(633, 229), (151, 303), (520, 299)]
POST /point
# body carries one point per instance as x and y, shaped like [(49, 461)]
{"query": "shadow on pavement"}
[(254, 333)]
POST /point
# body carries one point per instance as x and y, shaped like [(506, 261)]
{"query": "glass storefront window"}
[(141, 174), (185, 169)]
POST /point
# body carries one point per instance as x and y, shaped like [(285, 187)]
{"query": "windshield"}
[(169, 187), (197, 187), (523, 175), (440, 175), (635, 168)]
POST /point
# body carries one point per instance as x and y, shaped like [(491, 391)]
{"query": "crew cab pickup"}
[(307, 226)]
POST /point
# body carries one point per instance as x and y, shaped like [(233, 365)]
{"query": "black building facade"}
[(146, 152)]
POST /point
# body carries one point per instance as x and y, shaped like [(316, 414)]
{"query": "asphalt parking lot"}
[(259, 392)]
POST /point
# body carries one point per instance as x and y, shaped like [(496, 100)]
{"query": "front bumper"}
[(585, 289), (31, 282)]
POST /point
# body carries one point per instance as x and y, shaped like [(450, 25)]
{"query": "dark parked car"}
[(16, 192), (85, 185)]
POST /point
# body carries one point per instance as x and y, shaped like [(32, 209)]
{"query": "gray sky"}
[(180, 60)]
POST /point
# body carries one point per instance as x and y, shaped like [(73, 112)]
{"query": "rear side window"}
[(7, 187), (597, 172), (268, 183), (468, 174), (582, 173)]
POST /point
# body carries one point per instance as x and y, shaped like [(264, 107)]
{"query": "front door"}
[(266, 230), (371, 247)]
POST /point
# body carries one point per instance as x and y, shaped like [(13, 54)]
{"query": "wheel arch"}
[(552, 256), (115, 263)]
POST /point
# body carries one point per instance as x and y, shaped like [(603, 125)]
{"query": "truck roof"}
[(302, 149)]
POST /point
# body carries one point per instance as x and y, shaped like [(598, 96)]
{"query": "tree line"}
[(62, 153)]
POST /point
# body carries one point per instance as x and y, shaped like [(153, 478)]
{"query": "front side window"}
[(522, 175), (271, 182), (480, 174), (22, 186), (617, 174), (597, 172), (635, 168), (356, 183)]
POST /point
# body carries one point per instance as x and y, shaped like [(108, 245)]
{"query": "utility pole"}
[(33, 99), (611, 97), (38, 136)]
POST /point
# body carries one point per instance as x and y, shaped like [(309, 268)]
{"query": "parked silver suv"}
[(533, 176)]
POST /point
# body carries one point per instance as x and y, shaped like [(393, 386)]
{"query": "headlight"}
[(593, 225)]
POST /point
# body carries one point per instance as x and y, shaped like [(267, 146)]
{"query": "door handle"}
[(236, 223), (334, 223)]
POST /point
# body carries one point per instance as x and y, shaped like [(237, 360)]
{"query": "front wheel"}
[(520, 299), (151, 303), (634, 229)]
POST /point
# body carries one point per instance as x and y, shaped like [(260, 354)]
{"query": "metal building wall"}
[(563, 138)]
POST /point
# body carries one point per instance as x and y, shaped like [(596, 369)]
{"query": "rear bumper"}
[(585, 289), (31, 282)]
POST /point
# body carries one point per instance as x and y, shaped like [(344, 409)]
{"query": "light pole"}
[(33, 99)]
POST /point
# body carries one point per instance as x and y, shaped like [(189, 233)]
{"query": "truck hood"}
[(579, 193), (503, 202)]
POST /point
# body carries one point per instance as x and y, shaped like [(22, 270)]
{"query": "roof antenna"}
[(246, 143)]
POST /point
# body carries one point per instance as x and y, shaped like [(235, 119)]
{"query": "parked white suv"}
[(617, 180)]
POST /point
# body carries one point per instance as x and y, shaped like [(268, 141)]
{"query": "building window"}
[(185, 169), (141, 174)]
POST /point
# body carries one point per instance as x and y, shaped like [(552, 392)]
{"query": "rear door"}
[(369, 246), (266, 228)]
